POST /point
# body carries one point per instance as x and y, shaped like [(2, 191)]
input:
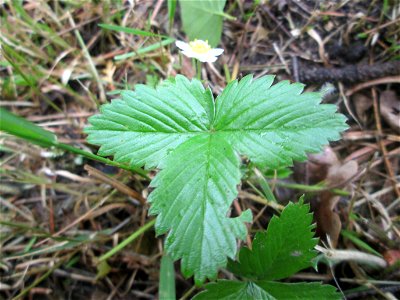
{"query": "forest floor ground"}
[(60, 212)]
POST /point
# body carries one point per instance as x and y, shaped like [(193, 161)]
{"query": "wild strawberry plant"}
[(196, 141)]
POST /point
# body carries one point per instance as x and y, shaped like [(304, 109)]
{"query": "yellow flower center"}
[(199, 46)]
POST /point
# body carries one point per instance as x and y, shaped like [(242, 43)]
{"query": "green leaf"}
[(196, 143), (147, 124), (274, 125), (304, 291), (192, 198), (199, 16), (233, 290), (273, 257), (286, 247), (266, 290), (103, 268)]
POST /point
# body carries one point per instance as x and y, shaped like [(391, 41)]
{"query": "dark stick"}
[(348, 74)]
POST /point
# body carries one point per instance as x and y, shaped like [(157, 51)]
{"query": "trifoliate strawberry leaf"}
[(196, 142), (266, 290), (286, 247)]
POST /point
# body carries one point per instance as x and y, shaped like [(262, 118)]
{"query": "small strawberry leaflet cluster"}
[(285, 248)]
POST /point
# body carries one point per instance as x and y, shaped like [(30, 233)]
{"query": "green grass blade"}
[(39, 27), (22, 128), (356, 240), (171, 12), (29, 131), (144, 50), (13, 58), (167, 279), (92, 66), (129, 240), (130, 30), (10, 55)]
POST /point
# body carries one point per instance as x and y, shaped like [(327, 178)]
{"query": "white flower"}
[(200, 50)]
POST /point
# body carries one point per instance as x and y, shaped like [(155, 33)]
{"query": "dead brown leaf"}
[(390, 109), (340, 174), (319, 164), (362, 104), (327, 167)]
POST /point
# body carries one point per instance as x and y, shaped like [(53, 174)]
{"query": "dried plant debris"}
[(390, 109), (348, 74), (61, 212), (326, 167)]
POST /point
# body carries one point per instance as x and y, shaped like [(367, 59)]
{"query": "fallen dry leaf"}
[(327, 167), (318, 165), (390, 109), (362, 104), (340, 175), (328, 221)]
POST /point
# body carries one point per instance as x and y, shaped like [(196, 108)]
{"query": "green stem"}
[(188, 293), (312, 188), (129, 240), (29, 131), (101, 159), (227, 73)]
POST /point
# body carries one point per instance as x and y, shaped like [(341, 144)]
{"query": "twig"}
[(352, 255), (382, 144), (351, 73), (385, 80)]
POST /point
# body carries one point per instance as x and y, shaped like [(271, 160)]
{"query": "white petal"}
[(182, 45), (207, 57), (189, 53), (216, 51), (211, 59)]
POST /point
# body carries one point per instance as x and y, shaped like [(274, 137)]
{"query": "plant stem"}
[(92, 156), (312, 188), (188, 293), (129, 240)]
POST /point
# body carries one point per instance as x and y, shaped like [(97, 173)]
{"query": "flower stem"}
[(198, 69)]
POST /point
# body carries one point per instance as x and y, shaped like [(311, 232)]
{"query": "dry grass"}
[(60, 212)]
